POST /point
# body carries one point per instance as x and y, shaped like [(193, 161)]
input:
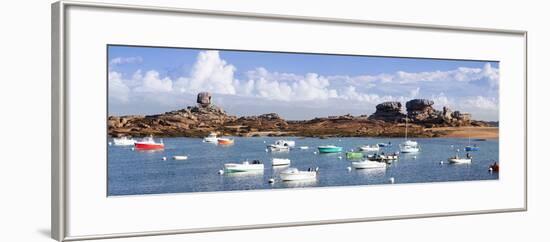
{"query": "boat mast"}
[(406, 126)]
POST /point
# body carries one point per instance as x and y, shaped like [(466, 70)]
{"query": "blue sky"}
[(146, 80)]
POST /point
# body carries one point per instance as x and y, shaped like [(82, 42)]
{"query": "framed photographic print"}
[(207, 120)]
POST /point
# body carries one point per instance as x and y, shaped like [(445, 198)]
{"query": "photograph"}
[(186, 120)]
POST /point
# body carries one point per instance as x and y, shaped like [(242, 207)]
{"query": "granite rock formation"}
[(389, 112)]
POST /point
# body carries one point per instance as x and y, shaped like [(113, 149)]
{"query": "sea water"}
[(132, 172)]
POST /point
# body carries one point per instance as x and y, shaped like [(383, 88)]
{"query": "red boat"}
[(148, 143), (494, 167)]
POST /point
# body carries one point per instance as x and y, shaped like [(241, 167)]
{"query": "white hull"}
[(243, 167), (460, 160), (210, 140), (179, 157), (369, 148), (368, 165), (409, 149), (281, 162), (123, 141), (304, 147), (298, 175), (278, 148)]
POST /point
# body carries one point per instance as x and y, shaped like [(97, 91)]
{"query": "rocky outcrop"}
[(388, 112), (421, 111), (205, 117)]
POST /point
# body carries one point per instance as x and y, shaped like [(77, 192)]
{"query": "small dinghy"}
[(179, 157), (370, 148), (329, 149), (471, 148), (304, 147), (384, 144), (494, 167), (123, 141), (367, 164), (354, 155), (255, 165), (293, 174), (278, 148), (280, 162), (458, 160)]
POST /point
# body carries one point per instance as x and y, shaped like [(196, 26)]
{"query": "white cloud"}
[(125, 60), (210, 73), (480, 102), (152, 82), (118, 90)]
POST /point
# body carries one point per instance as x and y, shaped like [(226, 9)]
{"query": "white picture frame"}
[(80, 209)]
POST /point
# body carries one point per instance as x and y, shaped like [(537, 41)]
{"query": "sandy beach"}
[(465, 132)]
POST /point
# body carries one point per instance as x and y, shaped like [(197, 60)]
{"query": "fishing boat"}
[(179, 157), (384, 144), (382, 157), (123, 141), (329, 149), (367, 164), (225, 141), (245, 166), (354, 155), (288, 143), (293, 174), (211, 138), (408, 146), (458, 160), (278, 148), (280, 162), (148, 143), (370, 148)]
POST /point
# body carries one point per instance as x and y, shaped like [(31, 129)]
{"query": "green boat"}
[(354, 155), (329, 149)]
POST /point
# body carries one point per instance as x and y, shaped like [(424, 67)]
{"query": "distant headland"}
[(388, 120)]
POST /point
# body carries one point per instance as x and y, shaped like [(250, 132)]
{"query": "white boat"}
[(211, 138), (123, 141), (280, 162), (244, 167), (304, 147), (370, 148), (409, 149), (179, 157), (457, 160), (409, 146), (293, 174), (367, 164), (278, 148), (410, 143)]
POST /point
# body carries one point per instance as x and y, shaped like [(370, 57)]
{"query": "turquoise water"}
[(132, 172)]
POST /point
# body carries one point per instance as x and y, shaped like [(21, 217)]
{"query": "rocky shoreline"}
[(387, 121)]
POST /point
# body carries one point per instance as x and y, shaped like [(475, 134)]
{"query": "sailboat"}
[(409, 146)]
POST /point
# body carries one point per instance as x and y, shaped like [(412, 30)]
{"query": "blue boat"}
[(471, 148), (329, 149), (384, 144)]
